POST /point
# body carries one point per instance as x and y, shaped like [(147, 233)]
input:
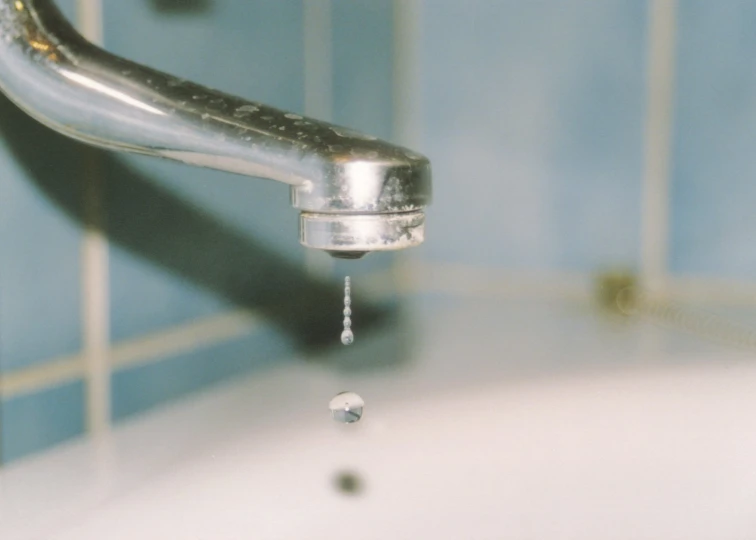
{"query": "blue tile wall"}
[(39, 267), (140, 388), (363, 78), (144, 304), (532, 115), (39, 262), (67, 7), (713, 222), (36, 421)]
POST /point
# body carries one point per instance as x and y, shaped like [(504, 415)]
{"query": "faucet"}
[(355, 194)]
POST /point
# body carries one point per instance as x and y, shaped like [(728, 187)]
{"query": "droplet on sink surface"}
[(347, 407), (349, 483)]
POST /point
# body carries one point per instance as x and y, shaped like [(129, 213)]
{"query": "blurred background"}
[(578, 147)]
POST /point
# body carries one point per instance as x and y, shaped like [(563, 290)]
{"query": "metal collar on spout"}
[(356, 193)]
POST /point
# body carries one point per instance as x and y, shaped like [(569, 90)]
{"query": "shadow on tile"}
[(191, 243)]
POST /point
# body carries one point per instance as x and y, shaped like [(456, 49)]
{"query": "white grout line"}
[(713, 291), (96, 322), (52, 373), (407, 91), (94, 261), (89, 20), (317, 40), (655, 204), (144, 350), (318, 59), (418, 277), (197, 334)]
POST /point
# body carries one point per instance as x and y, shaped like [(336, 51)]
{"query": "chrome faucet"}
[(356, 194)]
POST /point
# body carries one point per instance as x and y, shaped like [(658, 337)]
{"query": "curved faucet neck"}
[(78, 89)]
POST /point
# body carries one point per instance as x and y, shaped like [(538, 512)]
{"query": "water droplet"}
[(349, 483), (244, 110), (293, 116), (344, 132), (347, 407), (347, 337)]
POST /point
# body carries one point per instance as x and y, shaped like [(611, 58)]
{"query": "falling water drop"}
[(347, 407), (347, 336)]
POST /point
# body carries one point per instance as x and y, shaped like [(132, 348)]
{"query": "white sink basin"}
[(663, 450)]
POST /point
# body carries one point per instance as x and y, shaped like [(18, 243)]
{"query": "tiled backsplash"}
[(533, 114), (250, 49), (533, 117), (713, 222), (40, 283)]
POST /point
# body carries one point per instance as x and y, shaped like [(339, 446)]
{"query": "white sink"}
[(651, 449)]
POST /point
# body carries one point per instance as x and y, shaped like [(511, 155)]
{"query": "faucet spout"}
[(356, 194)]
